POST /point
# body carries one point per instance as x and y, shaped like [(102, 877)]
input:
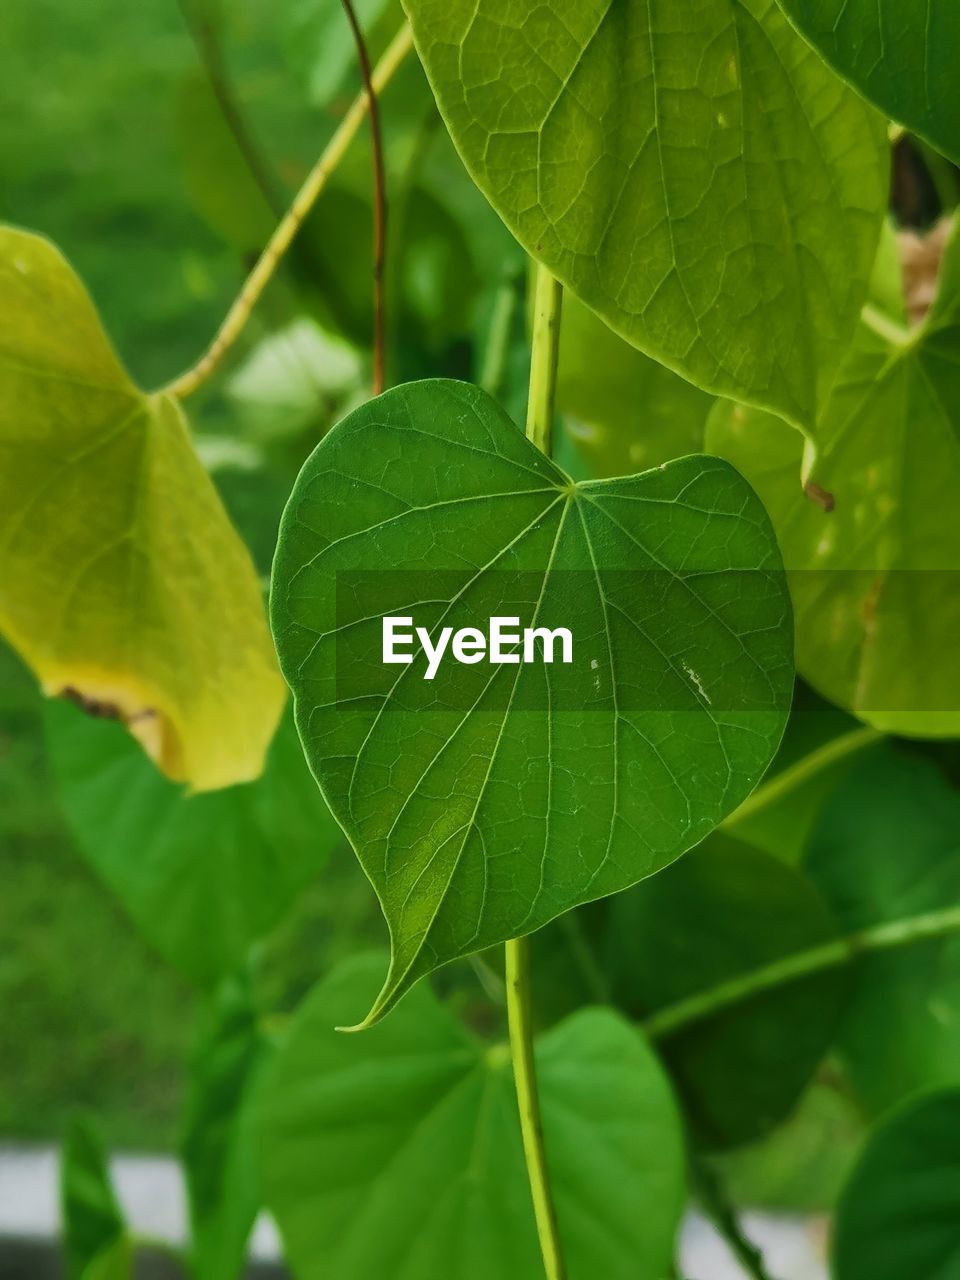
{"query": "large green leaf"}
[(887, 848), (901, 56), (900, 1213), (719, 913), (486, 801), (694, 173), (399, 1154), (115, 1262), (218, 1145), (874, 581), (629, 412), (93, 1223), (122, 582), (203, 876)]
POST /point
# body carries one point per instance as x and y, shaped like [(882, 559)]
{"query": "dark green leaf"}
[(721, 912), (92, 1220), (695, 174), (398, 1153), (489, 800), (899, 1216), (887, 848), (202, 876), (900, 56), (217, 1148)]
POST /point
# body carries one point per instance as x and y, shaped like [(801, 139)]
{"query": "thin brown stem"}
[(280, 241), (379, 200), (204, 37)]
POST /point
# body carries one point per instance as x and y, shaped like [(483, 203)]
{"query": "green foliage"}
[(629, 413), (670, 714), (397, 1153), (722, 911), (223, 1183), (213, 872), (779, 972), (873, 581), (93, 1222), (901, 58), (899, 1215), (643, 159), (886, 848)]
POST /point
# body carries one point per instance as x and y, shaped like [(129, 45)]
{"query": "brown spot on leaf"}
[(822, 497)]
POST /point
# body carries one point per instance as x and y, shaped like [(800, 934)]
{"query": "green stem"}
[(543, 371), (829, 955), (520, 1023), (303, 202), (544, 348), (781, 784), (713, 1201)]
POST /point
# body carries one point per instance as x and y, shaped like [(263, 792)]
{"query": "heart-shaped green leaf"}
[(486, 801), (902, 56), (693, 172), (122, 582), (203, 876), (900, 1213), (400, 1154), (874, 580)]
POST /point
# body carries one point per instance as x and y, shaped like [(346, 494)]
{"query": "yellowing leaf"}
[(122, 582)]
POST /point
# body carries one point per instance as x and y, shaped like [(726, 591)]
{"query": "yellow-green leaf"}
[(122, 582)]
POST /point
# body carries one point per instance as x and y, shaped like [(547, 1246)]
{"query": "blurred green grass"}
[(90, 1018)]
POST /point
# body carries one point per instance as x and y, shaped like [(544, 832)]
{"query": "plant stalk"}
[(543, 372), (303, 202), (829, 955), (544, 349), (519, 1021), (379, 198)]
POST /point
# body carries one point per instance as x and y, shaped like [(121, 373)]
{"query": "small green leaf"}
[(719, 913), (203, 876), (901, 56), (886, 848), (218, 1147), (92, 1219), (122, 582), (492, 798), (695, 174), (874, 581), (399, 1154), (900, 1213)]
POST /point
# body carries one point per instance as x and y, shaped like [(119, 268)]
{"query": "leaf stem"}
[(803, 770), (379, 197), (829, 955), (519, 1021), (290, 224), (544, 348), (205, 40), (714, 1202), (543, 374)]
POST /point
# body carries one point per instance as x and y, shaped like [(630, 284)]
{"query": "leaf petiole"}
[(238, 315), (543, 377)]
